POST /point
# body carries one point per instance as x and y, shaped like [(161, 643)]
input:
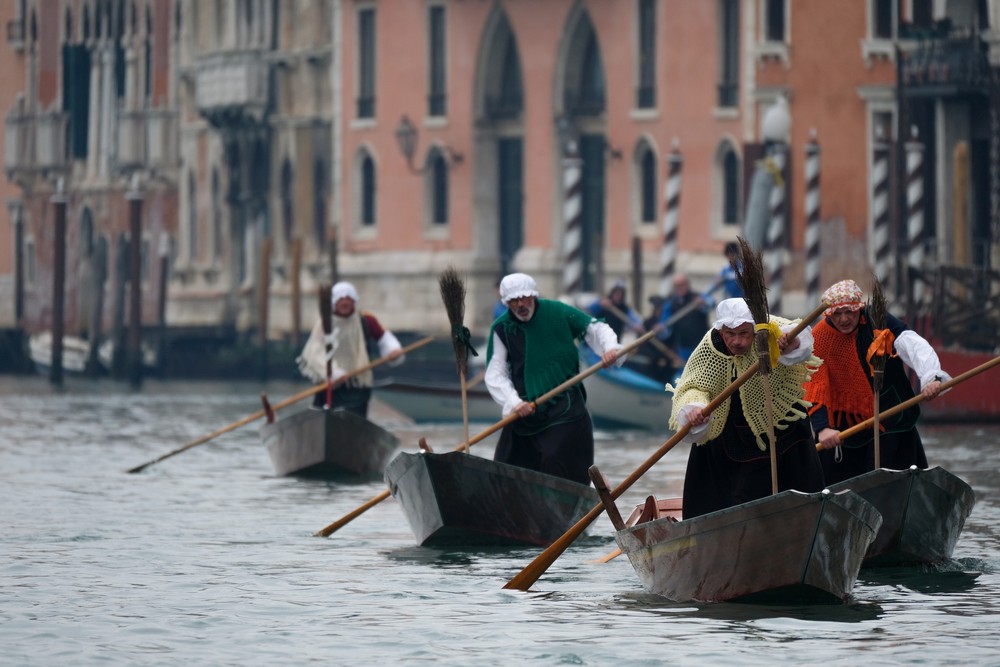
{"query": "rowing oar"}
[(285, 403), (868, 423), (523, 580), (512, 417), (657, 343)]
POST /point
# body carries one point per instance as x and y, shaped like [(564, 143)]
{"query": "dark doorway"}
[(510, 189)]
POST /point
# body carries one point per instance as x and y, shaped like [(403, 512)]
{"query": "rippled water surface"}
[(206, 558)]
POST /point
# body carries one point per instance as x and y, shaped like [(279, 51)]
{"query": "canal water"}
[(206, 558)]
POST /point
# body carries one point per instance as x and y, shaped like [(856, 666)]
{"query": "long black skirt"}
[(565, 449), (715, 481), (897, 451)]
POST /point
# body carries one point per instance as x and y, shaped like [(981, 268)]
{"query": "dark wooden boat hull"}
[(459, 499), (923, 513), (790, 547), (324, 443)]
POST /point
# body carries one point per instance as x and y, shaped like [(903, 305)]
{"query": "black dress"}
[(731, 469)]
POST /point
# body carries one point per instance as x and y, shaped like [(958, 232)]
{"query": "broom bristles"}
[(453, 295), (750, 274)]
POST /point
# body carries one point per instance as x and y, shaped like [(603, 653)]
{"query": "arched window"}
[(192, 217), (367, 191), (319, 203), (438, 188), (287, 201), (730, 187), (216, 215), (648, 185)]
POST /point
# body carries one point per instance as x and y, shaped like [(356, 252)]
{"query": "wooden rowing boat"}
[(328, 443), (789, 547), (458, 499), (923, 513)]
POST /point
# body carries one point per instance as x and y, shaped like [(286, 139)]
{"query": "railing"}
[(964, 304), (162, 139), (233, 82), (131, 139), (51, 130), (958, 62), (504, 107), (19, 145), (583, 103), (15, 33)]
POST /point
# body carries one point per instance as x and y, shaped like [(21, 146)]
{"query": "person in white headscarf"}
[(356, 339), (729, 463), (532, 349)]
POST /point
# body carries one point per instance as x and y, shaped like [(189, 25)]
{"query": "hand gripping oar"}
[(288, 401), (512, 417), (868, 423), (524, 579)]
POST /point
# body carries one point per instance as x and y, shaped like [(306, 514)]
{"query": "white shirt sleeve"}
[(696, 432), (498, 380), (918, 354), (601, 338), (386, 344), (803, 351)]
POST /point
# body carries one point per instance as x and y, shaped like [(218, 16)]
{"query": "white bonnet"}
[(517, 285), (342, 289), (732, 313)]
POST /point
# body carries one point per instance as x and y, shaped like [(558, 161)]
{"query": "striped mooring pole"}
[(812, 219), (672, 200), (572, 217), (915, 217), (880, 209)]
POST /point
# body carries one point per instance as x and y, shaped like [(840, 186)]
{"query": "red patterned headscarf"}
[(845, 294)]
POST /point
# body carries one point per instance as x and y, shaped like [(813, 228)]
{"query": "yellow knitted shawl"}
[(708, 372)]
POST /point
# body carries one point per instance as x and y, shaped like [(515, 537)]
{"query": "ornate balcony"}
[(233, 87), (147, 139), (951, 65), (35, 143), (15, 34)]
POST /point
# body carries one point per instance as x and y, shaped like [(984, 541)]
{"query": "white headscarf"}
[(342, 289), (517, 285), (732, 313)]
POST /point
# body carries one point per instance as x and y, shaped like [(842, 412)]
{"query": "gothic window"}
[(366, 63), (729, 52), (437, 97), (646, 91), (648, 187)]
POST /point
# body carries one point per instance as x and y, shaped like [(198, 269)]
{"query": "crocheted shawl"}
[(349, 351), (709, 371), (848, 396)]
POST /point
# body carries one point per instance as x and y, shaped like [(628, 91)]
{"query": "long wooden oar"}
[(523, 580), (288, 401), (512, 417), (896, 409)]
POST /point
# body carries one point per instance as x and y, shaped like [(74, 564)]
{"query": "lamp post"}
[(776, 127), (406, 139)]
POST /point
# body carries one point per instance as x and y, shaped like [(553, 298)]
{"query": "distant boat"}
[(459, 499), (616, 397), (75, 352), (789, 547), (328, 443), (923, 513)]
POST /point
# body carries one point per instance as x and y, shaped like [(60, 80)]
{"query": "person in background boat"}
[(605, 307), (683, 335), (841, 390), (729, 463), (499, 308), (532, 349), (357, 338), (727, 276)]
